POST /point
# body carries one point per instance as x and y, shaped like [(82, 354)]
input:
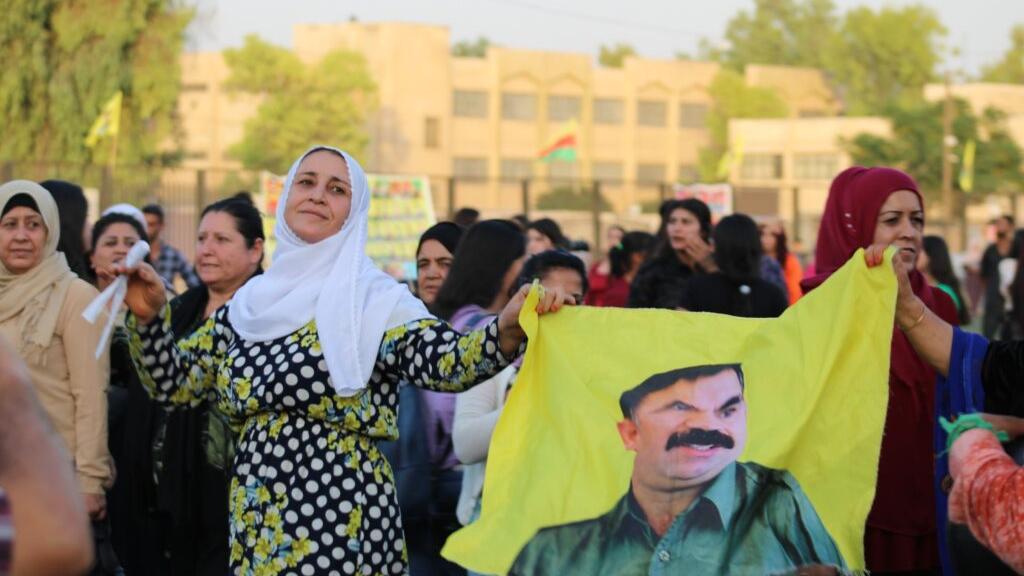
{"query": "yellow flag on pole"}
[(108, 123), (967, 167)]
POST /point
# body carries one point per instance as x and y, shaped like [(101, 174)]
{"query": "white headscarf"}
[(127, 210), (333, 282)]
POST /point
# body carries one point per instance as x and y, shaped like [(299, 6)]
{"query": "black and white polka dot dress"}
[(310, 491)]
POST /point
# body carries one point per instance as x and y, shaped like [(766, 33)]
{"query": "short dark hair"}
[(73, 208), (247, 218), (540, 264), (551, 230), (155, 210), (466, 217), (631, 398)]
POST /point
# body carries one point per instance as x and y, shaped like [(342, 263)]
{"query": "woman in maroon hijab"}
[(883, 206)]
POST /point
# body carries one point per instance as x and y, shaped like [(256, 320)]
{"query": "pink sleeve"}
[(988, 497)]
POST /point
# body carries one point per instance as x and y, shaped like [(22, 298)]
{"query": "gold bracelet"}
[(924, 311)]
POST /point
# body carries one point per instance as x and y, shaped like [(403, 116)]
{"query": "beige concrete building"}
[(788, 164), (481, 122)]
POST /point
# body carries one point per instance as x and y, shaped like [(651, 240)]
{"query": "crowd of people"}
[(318, 416)]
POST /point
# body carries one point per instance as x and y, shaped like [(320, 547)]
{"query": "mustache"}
[(699, 437)]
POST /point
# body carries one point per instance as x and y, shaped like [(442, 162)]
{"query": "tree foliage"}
[(875, 58), (615, 56), (64, 60), (783, 32), (569, 198), (1010, 68), (471, 48), (733, 98), (916, 147), (328, 101), (886, 57)]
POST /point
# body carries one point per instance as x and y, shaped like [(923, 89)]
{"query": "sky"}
[(980, 29)]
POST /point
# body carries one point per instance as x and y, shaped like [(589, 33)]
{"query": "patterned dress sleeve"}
[(181, 373), (988, 496), (432, 355)]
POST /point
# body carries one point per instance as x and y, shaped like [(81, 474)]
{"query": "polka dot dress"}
[(310, 491)]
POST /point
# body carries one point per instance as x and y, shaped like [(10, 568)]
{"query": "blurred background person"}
[(193, 447), (776, 246), (73, 209), (736, 288), (681, 250), (486, 265), (603, 267), (466, 217), (994, 303), (937, 268), (624, 259), (168, 261), (41, 305), (477, 410), (409, 455), (543, 235), (44, 528), (134, 533)]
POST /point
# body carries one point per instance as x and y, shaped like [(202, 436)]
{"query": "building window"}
[(761, 167), (812, 113), (651, 112), (563, 108), (562, 170), (196, 155), (518, 106), (688, 173), (608, 111), (469, 104), (693, 115), (194, 87), (469, 168), (607, 171), (516, 168), (650, 173), (432, 132), (815, 166)]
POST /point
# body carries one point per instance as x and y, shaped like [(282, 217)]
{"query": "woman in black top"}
[(194, 450), (737, 288), (682, 250)]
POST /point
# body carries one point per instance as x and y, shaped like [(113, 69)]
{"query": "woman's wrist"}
[(910, 313)]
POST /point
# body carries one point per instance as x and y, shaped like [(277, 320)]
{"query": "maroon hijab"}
[(901, 528)]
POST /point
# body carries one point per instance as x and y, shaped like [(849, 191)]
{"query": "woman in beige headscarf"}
[(41, 304)]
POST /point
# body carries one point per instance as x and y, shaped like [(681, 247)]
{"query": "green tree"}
[(329, 101), (471, 48), (886, 57), (570, 198), (64, 60), (783, 32), (1011, 67), (732, 98), (615, 56), (916, 147)]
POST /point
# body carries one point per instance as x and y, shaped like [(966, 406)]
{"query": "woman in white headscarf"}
[(306, 359)]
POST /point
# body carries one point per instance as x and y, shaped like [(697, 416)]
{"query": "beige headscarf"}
[(36, 296)]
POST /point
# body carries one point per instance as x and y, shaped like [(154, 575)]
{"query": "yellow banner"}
[(814, 391), (108, 123)]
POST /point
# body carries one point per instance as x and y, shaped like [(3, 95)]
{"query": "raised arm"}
[(988, 495), (931, 336), (173, 373)]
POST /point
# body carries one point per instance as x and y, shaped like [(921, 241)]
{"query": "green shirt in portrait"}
[(749, 520)]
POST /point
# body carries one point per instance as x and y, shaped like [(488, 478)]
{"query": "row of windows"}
[(518, 168), (516, 106), (805, 166)]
